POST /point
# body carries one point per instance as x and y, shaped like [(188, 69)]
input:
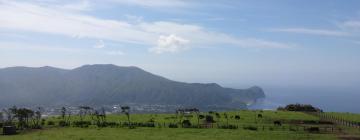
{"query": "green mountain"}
[(110, 84)]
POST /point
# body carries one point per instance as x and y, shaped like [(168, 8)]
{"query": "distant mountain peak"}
[(101, 84)]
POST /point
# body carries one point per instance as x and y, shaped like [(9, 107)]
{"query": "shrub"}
[(292, 129), (172, 125), (43, 121), (271, 128), (111, 124), (209, 119), (228, 126), (152, 120), (309, 122), (299, 107), (50, 123), (62, 123), (253, 128), (237, 117), (313, 129), (186, 124), (81, 123)]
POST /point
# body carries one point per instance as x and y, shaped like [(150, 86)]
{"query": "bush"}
[(36, 127), (111, 124), (172, 125), (292, 129), (271, 128), (152, 120), (313, 129), (253, 128), (51, 123), (310, 122), (299, 107), (228, 126), (209, 119), (81, 123), (186, 124), (63, 123), (43, 122), (139, 124)]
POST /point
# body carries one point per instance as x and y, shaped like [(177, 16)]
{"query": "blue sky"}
[(271, 43)]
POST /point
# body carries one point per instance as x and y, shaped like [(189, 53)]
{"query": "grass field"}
[(159, 134), (265, 128)]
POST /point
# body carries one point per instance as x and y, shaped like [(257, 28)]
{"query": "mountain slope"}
[(110, 84)]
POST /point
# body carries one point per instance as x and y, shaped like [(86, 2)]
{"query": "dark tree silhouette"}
[(209, 119), (9, 116), (37, 118), (126, 111), (84, 110), (237, 117), (1, 117), (227, 119), (23, 115), (63, 113), (217, 116), (300, 107)]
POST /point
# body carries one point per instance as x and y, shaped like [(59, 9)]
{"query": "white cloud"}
[(154, 3), (115, 53), (312, 31), (171, 43), (20, 16), (40, 48), (135, 19), (83, 5), (99, 44), (352, 24)]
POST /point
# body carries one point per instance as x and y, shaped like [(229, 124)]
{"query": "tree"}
[(23, 115), (84, 110), (197, 111), (63, 113), (218, 116), (37, 117), (1, 117), (126, 110), (103, 114), (9, 116), (209, 119), (227, 118)]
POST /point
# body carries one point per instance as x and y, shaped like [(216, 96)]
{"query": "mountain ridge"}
[(110, 84)]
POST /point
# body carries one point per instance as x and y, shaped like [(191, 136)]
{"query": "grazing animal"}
[(237, 117), (260, 116), (278, 123)]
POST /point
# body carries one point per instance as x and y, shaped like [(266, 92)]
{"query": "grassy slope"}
[(247, 118), (159, 134)]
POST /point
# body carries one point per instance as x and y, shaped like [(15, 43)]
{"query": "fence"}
[(337, 120)]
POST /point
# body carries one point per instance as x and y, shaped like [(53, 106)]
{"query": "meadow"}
[(250, 126)]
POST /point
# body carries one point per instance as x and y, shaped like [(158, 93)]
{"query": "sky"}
[(236, 43)]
